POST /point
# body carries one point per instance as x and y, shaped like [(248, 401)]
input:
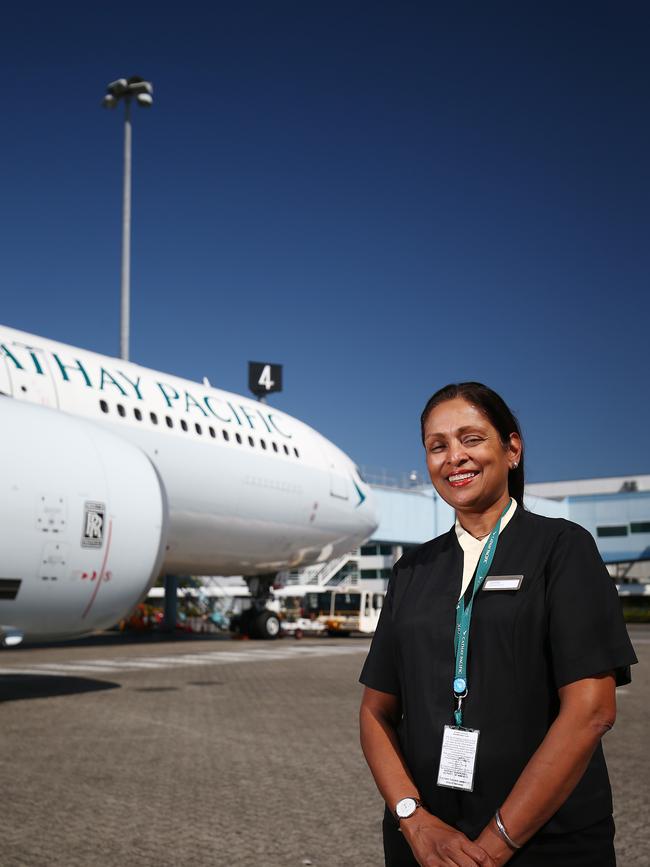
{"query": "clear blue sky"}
[(385, 197)]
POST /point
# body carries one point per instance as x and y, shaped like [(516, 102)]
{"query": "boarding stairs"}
[(321, 574)]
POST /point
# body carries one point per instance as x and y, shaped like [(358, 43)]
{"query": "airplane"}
[(113, 474)]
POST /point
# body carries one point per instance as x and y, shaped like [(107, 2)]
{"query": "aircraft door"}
[(339, 484), (30, 385)]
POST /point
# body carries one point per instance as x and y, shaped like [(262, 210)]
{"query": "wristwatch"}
[(405, 808)]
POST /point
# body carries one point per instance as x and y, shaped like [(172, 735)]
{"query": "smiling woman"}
[(486, 429), (485, 627)]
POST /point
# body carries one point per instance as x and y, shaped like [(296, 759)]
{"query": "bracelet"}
[(501, 829)]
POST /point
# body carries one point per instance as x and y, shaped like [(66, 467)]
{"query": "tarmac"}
[(120, 751)]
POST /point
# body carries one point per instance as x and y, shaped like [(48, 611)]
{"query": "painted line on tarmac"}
[(73, 666), (214, 657)]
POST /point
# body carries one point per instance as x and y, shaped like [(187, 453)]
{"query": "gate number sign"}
[(264, 377)]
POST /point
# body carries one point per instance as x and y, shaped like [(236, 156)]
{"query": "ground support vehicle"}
[(345, 610)]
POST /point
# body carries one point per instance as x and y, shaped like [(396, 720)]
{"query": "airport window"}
[(368, 550), (170, 423), (184, 424), (137, 414), (295, 451), (640, 527), (286, 450), (153, 417), (120, 410), (251, 442), (103, 406), (238, 438), (275, 446), (213, 432), (620, 530), (226, 435), (263, 444), (385, 550), (197, 428)]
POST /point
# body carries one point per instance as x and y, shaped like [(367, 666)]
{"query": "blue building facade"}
[(619, 521)]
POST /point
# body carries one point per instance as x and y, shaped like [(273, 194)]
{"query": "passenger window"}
[(286, 450), (213, 432), (153, 417), (263, 444), (295, 451), (197, 428), (226, 435), (137, 414), (170, 423), (121, 411), (103, 406), (184, 424), (275, 446), (238, 438)]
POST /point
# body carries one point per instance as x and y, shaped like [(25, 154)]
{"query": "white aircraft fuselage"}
[(113, 474)]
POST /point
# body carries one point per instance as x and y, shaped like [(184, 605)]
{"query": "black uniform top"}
[(563, 624)]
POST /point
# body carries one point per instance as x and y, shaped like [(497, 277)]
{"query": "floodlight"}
[(117, 87), (125, 90), (141, 87)]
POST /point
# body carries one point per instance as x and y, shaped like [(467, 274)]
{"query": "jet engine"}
[(83, 523)]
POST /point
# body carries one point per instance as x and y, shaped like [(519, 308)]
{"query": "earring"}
[(515, 465)]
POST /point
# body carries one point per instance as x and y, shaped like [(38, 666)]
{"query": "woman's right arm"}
[(433, 842)]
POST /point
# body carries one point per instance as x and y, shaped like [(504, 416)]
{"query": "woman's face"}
[(467, 461)]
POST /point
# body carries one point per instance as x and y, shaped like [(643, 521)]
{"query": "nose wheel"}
[(266, 626), (258, 621)]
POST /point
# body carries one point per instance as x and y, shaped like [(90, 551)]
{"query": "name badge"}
[(458, 758), (503, 582)]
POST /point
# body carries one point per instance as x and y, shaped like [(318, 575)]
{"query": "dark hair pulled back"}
[(498, 413)]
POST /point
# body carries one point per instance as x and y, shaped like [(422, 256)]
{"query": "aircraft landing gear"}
[(258, 621), (266, 625)]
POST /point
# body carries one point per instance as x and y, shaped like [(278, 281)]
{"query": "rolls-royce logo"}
[(93, 526)]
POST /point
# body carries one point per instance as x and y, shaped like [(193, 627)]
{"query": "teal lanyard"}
[(464, 619)]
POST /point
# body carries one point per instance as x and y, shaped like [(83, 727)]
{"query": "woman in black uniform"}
[(491, 677)]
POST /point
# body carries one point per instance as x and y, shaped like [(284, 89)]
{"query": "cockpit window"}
[(360, 474)]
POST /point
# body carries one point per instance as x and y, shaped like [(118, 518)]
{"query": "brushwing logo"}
[(92, 535)]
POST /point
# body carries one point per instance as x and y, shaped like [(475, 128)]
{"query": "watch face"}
[(406, 807)]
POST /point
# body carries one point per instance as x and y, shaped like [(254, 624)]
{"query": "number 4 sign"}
[(264, 377)]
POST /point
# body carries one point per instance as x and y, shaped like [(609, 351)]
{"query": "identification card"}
[(503, 582), (458, 758)]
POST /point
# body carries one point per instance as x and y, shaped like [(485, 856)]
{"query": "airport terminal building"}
[(615, 510)]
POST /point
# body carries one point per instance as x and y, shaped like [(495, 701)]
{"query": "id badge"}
[(458, 758), (503, 582)]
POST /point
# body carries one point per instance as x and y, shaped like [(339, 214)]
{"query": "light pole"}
[(126, 89)]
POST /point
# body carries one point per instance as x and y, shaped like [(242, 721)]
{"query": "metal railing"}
[(386, 479)]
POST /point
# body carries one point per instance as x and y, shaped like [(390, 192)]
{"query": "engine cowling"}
[(83, 523)]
